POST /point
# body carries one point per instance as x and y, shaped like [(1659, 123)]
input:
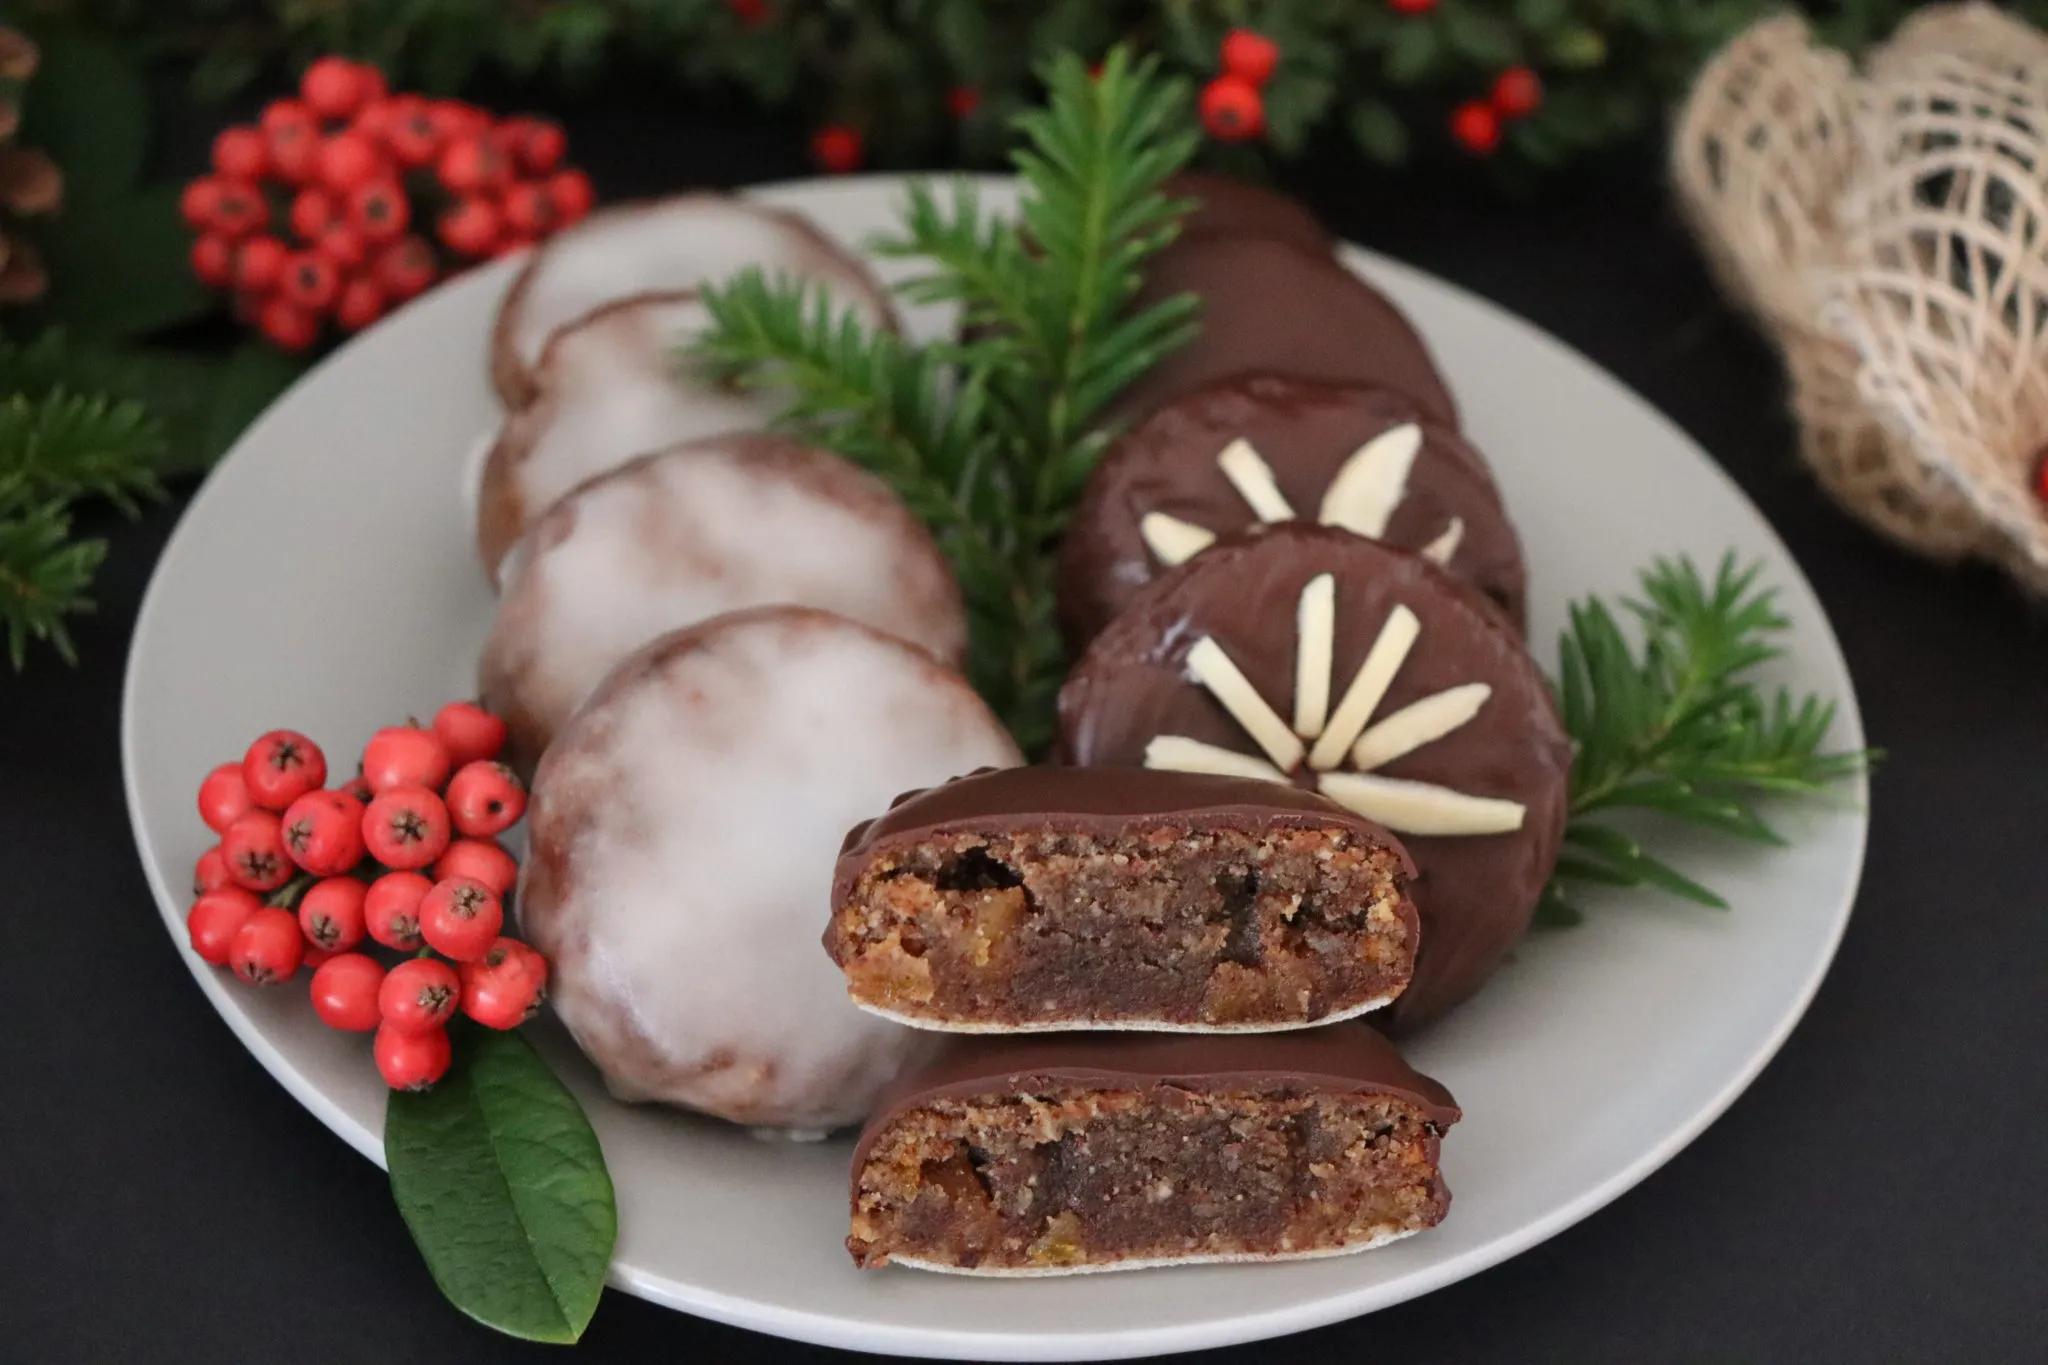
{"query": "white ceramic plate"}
[(324, 579)]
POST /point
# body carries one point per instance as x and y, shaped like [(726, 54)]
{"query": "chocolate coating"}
[(1092, 801), (1305, 429), (1475, 892), (1228, 207), (1339, 1059), (1269, 304)]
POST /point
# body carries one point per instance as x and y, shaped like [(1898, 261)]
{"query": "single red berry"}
[(370, 82), (454, 119), (254, 848), (241, 153), (258, 264), (210, 873), (750, 13), (527, 210), (511, 244), (379, 210), (239, 210), (460, 918), (359, 788), (323, 832), (285, 114), (1411, 7), (282, 766), (373, 121), (268, 947), (213, 260), (963, 100), (333, 87), (541, 146), (331, 913), (224, 797), (344, 992), (473, 165), (348, 160), (469, 732), (361, 303), (411, 132), (1517, 92), (471, 227), (198, 201), (485, 799), (572, 195), (419, 994), (405, 267), (837, 148), (213, 919), (391, 910), (1232, 110), (501, 989), (1476, 127), (288, 326), (314, 956), (292, 136), (310, 281), (405, 756), (313, 212), (343, 247), (1250, 54), (483, 860), (406, 828), (411, 1061)]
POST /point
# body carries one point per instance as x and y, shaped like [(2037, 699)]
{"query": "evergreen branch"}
[(57, 447), (1677, 728), (904, 414), (990, 438), (44, 574)]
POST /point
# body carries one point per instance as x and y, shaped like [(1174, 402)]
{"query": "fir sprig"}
[(1678, 727), (990, 438), (57, 447)]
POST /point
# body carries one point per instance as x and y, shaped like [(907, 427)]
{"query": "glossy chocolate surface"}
[(1475, 892)]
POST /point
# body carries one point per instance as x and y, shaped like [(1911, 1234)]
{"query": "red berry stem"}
[(287, 897)]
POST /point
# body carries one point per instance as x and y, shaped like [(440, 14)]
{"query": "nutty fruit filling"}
[(1163, 925), (1083, 1177)]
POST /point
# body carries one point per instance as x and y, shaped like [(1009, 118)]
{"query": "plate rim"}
[(849, 1334)]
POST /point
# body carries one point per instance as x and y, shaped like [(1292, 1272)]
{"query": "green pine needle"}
[(989, 439), (1677, 728), (58, 447)]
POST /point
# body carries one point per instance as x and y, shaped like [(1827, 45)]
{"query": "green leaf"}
[(119, 268), (1480, 37), (1379, 132), (87, 108), (501, 1181), (244, 384), (1540, 14), (1411, 52)]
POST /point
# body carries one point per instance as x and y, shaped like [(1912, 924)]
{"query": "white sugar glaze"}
[(697, 810)]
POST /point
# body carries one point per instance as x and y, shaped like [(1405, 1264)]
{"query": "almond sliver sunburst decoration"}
[(1342, 748), (1361, 498)]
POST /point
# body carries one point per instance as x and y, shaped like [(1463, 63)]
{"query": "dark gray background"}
[(1879, 1193)]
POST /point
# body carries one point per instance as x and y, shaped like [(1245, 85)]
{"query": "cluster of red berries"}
[(1476, 124), (317, 210), (404, 854), (1231, 106)]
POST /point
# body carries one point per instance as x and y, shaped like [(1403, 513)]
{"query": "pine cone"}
[(30, 183)]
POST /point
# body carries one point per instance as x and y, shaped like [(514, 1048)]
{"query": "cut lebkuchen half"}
[(1065, 1154), (1048, 898)]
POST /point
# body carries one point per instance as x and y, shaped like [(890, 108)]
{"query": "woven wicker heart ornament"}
[(1890, 229)]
